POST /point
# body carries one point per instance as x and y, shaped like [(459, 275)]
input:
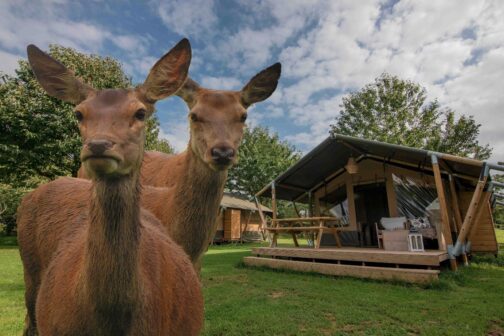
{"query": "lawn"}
[(244, 301)]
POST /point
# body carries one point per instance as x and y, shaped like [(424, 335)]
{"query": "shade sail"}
[(329, 158)]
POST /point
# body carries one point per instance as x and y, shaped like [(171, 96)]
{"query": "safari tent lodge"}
[(377, 210)]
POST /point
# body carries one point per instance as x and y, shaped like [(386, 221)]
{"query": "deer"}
[(96, 262), (188, 187)]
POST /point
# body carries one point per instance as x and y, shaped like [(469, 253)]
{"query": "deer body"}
[(95, 262), (195, 178), (189, 208)]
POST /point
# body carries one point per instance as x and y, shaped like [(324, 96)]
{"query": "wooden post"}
[(457, 213), (310, 207), (351, 203), (444, 237), (471, 212), (317, 206), (391, 195), (273, 204), (483, 203)]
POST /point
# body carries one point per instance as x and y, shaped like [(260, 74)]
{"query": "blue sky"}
[(327, 48)]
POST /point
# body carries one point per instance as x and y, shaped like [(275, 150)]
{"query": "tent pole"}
[(456, 210), (444, 237), (471, 212)]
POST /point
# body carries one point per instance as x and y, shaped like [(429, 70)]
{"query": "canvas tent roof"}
[(238, 203), (329, 158)]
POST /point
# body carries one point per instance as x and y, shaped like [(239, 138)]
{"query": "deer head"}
[(217, 117), (112, 121)]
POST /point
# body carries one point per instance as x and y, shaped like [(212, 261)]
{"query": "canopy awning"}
[(328, 160)]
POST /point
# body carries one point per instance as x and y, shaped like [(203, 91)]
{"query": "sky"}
[(454, 48)]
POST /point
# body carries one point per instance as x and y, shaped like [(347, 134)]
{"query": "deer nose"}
[(222, 155), (98, 147)]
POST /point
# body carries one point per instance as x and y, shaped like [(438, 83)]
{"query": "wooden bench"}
[(293, 230)]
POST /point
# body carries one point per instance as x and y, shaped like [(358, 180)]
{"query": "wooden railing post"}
[(472, 212), (444, 237), (457, 213)]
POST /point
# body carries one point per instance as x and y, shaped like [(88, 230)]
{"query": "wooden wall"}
[(232, 219), (482, 236)]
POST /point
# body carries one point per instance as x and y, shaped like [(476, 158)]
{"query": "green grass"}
[(500, 236), (246, 301)]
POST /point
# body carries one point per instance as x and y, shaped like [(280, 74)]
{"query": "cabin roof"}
[(239, 203), (328, 160)]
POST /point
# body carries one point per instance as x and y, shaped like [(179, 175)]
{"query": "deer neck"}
[(111, 273), (197, 197)]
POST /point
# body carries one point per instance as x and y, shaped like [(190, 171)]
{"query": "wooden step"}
[(373, 255), (370, 272)]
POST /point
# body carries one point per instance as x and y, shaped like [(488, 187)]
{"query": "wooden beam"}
[(455, 203), (444, 236), (352, 214), (261, 214), (483, 205), (462, 160), (370, 255), (391, 195), (266, 187), (471, 213), (371, 272), (456, 212), (399, 163), (273, 202)]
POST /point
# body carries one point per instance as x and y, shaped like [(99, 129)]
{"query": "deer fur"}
[(95, 262), (195, 180)]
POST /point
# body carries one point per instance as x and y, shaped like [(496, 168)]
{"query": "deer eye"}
[(243, 117), (193, 117), (140, 114), (78, 116)]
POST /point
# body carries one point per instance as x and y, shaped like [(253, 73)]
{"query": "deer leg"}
[(30, 327)]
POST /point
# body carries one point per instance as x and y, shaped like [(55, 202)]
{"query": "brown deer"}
[(95, 262), (196, 177)]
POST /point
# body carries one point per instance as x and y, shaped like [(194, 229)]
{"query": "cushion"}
[(392, 223)]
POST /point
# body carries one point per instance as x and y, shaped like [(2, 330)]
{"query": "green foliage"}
[(262, 157), (396, 111), (153, 142), (38, 133), (499, 209), (9, 201), (39, 138)]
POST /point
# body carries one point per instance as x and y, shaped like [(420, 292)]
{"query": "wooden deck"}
[(418, 267)]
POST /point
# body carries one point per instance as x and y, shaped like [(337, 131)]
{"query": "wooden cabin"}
[(379, 210), (239, 220)]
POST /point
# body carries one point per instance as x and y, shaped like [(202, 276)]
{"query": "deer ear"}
[(169, 73), (261, 86), (188, 92), (55, 78)]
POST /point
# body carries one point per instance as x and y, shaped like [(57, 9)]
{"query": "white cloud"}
[(221, 83), (9, 62), (188, 17), (177, 134), (454, 48), (47, 22)]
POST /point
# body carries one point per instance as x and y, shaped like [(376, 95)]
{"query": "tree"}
[(262, 157), (396, 111), (152, 141), (38, 133)]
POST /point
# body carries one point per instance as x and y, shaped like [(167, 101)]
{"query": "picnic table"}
[(315, 225)]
